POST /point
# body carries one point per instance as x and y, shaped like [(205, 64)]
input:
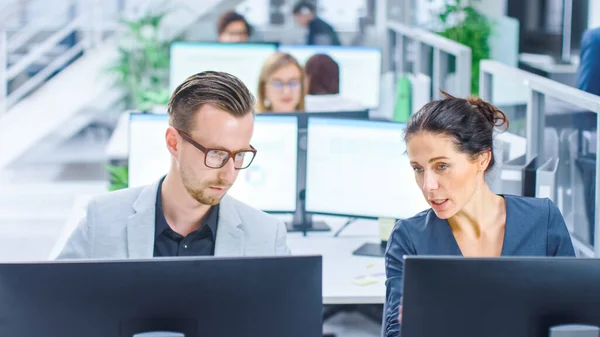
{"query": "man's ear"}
[(172, 139)]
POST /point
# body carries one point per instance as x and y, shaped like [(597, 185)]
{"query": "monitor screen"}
[(269, 184), (304, 116), (149, 158), (360, 69), (243, 60), (499, 297), (360, 168), (136, 298)]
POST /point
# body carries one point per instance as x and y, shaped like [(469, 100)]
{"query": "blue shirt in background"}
[(588, 74)]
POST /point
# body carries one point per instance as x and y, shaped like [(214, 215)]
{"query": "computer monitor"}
[(359, 168), (302, 221), (149, 158), (304, 116), (269, 184), (360, 69), (243, 60), (498, 297), (201, 296)]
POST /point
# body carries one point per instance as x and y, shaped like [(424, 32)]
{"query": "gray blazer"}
[(121, 225)]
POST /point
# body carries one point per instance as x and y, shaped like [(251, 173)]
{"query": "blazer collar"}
[(141, 226)]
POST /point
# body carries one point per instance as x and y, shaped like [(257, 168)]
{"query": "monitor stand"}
[(371, 249), (302, 221)]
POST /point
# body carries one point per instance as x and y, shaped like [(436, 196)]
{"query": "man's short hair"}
[(222, 90), (303, 6), (229, 17)]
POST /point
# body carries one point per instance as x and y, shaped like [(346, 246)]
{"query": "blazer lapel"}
[(230, 236), (141, 224)]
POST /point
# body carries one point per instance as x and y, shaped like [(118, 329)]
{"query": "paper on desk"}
[(370, 278)]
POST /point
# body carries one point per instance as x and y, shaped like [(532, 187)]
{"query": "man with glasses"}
[(187, 212)]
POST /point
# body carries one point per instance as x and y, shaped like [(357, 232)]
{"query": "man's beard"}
[(204, 198), (202, 194)]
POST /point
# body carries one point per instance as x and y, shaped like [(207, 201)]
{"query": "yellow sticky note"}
[(365, 280)]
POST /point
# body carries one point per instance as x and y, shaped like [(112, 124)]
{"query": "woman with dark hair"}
[(449, 146), (233, 27), (322, 85)]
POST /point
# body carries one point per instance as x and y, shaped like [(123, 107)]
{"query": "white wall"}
[(594, 19), (493, 8)]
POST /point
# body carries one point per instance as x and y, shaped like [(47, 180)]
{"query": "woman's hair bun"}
[(491, 113)]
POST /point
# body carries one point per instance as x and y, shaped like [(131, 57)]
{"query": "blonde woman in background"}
[(281, 85)]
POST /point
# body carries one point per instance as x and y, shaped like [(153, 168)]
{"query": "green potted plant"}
[(119, 177), (464, 24), (142, 68)]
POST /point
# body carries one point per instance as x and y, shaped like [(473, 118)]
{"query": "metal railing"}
[(402, 36), (32, 52), (539, 89)]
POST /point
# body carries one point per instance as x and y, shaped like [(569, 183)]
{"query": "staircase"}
[(68, 86)]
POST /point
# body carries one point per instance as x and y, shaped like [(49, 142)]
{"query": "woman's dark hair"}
[(229, 17), (470, 122), (323, 75)]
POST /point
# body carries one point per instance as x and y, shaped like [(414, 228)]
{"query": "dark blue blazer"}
[(534, 227)]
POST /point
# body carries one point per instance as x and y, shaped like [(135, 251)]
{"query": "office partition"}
[(559, 124), (408, 43)]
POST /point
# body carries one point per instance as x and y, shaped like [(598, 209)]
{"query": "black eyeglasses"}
[(217, 158)]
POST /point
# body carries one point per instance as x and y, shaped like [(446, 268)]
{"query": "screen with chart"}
[(360, 69), (149, 158), (268, 184), (243, 60), (360, 168)]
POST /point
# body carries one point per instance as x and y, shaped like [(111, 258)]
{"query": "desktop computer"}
[(360, 69), (359, 168), (191, 297), (499, 297), (243, 60), (269, 184), (149, 159), (302, 221)]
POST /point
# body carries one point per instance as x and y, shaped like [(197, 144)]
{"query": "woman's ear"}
[(484, 160)]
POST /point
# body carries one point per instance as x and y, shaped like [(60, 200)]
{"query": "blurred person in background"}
[(281, 85), (588, 75), (233, 27), (319, 31), (322, 86)]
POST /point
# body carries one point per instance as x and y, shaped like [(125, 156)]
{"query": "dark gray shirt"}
[(200, 242)]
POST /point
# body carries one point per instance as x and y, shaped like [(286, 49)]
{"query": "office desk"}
[(340, 268)]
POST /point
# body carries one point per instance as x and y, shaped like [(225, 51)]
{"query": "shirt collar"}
[(161, 224)]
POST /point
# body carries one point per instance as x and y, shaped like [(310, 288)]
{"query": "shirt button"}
[(185, 246)]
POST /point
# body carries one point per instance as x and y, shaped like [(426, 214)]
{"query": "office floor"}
[(37, 194)]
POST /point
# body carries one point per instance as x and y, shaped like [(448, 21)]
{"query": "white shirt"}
[(329, 103)]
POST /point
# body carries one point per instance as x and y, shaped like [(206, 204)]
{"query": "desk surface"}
[(340, 268)]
